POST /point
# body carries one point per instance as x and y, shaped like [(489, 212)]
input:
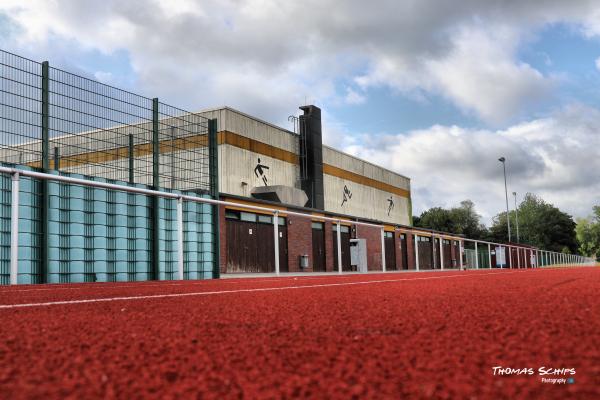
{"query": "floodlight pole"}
[(516, 216), (503, 161)]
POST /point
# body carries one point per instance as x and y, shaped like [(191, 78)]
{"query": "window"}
[(317, 226), (389, 234), (248, 217), (265, 219), (231, 214), (343, 228)]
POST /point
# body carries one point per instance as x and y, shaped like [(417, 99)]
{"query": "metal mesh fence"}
[(20, 109), (70, 125), (53, 119)]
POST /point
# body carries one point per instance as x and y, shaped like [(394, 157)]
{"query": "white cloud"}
[(268, 57), (554, 157), (353, 97), (598, 63), (480, 73), (192, 49)]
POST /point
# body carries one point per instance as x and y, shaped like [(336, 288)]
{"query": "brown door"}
[(251, 244), (436, 253), (403, 251), (425, 253), (265, 247), (266, 244), (318, 246), (447, 253), (390, 251), (241, 246), (345, 247)]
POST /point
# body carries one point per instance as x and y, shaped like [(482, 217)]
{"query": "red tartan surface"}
[(416, 335)]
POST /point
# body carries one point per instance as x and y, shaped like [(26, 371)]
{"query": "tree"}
[(460, 220), (588, 234), (435, 218), (540, 224)]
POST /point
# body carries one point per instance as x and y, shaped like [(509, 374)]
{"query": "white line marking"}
[(140, 284), (163, 296)]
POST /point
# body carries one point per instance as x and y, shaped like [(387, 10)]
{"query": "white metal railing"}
[(556, 258)]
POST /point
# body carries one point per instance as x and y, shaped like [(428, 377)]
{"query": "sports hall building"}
[(261, 164)]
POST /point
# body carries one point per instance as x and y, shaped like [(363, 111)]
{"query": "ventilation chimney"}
[(311, 156)]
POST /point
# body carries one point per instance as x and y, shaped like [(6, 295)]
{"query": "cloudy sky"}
[(435, 90)]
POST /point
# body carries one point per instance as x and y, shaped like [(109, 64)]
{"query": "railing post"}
[(156, 186), (180, 265), (213, 169), (45, 195), (518, 257), (339, 247), (441, 253), (460, 253), (490, 255), (476, 256), (417, 252), (14, 231), (276, 236), (383, 249)]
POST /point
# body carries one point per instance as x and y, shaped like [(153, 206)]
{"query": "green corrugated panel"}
[(100, 235), (5, 210)]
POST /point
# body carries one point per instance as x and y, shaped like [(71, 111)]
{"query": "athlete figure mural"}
[(390, 204), (260, 173), (347, 195)]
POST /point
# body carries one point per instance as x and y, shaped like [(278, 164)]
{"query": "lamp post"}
[(516, 215), (503, 161)]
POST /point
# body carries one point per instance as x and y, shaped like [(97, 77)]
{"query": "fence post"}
[(180, 266), (45, 196), (383, 266), (14, 231), (155, 186), (213, 172), (476, 256), (131, 158), (460, 253), (56, 158), (490, 256), (339, 247), (518, 257), (276, 242)]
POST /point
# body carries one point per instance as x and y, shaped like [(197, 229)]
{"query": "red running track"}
[(417, 335)]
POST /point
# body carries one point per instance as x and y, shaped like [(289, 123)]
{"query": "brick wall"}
[(373, 237), (410, 244), (299, 242), (398, 251)]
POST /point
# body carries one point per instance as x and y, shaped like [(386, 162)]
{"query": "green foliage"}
[(540, 224), (588, 234), (460, 220)]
